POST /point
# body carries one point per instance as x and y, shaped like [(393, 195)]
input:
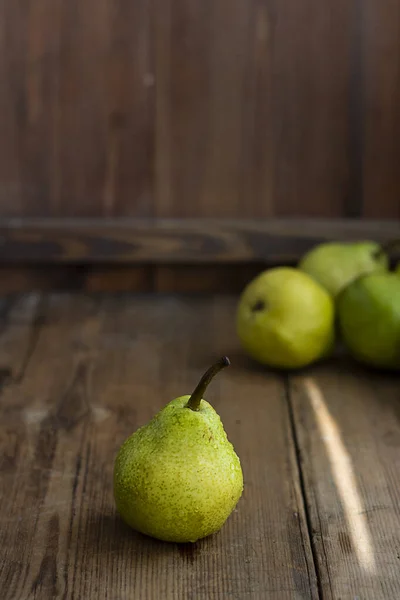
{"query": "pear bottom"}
[(178, 478)]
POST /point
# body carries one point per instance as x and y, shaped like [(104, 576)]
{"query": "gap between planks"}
[(297, 452)]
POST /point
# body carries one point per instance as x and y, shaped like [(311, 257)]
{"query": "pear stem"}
[(195, 399), (388, 247)]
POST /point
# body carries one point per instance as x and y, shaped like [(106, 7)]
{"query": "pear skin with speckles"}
[(178, 478)]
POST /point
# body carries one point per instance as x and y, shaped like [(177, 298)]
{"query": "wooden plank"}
[(129, 92), (21, 318), (102, 367), (201, 53), (224, 108), (126, 278), (41, 436), (354, 201), (76, 99), (119, 278), (16, 278), (381, 55), (310, 47), (177, 241), (250, 120), (223, 279), (347, 421)]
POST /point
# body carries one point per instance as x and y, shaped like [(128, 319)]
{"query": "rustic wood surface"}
[(319, 516), (96, 369), (348, 431), (202, 108), (378, 103), (166, 241), (127, 278), (208, 255)]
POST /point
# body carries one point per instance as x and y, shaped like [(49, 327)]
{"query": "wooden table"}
[(320, 514)]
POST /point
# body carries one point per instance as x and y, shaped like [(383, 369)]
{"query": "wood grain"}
[(211, 279), (19, 278), (253, 109), (127, 278), (101, 367), (79, 373), (381, 53), (348, 430), (310, 126), (20, 320), (118, 278), (208, 58), (177, 241), (199, 109), (76, 98)]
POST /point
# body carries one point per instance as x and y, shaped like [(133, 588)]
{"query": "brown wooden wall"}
[(200, 108)]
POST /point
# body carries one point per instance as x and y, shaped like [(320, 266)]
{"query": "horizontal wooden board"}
[(176, 241), (123, 277)]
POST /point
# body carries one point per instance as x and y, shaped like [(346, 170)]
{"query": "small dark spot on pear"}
[(258, 306)]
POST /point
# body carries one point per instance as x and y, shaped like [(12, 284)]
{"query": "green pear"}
[(369, 319), (178, 478), (285, 319), (334, 265)]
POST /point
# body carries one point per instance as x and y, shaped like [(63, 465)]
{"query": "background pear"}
[(285, 319), (334, 264), (369, 319), (178, 478)]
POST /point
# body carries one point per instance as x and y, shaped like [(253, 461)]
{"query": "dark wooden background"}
[(217, 109)]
